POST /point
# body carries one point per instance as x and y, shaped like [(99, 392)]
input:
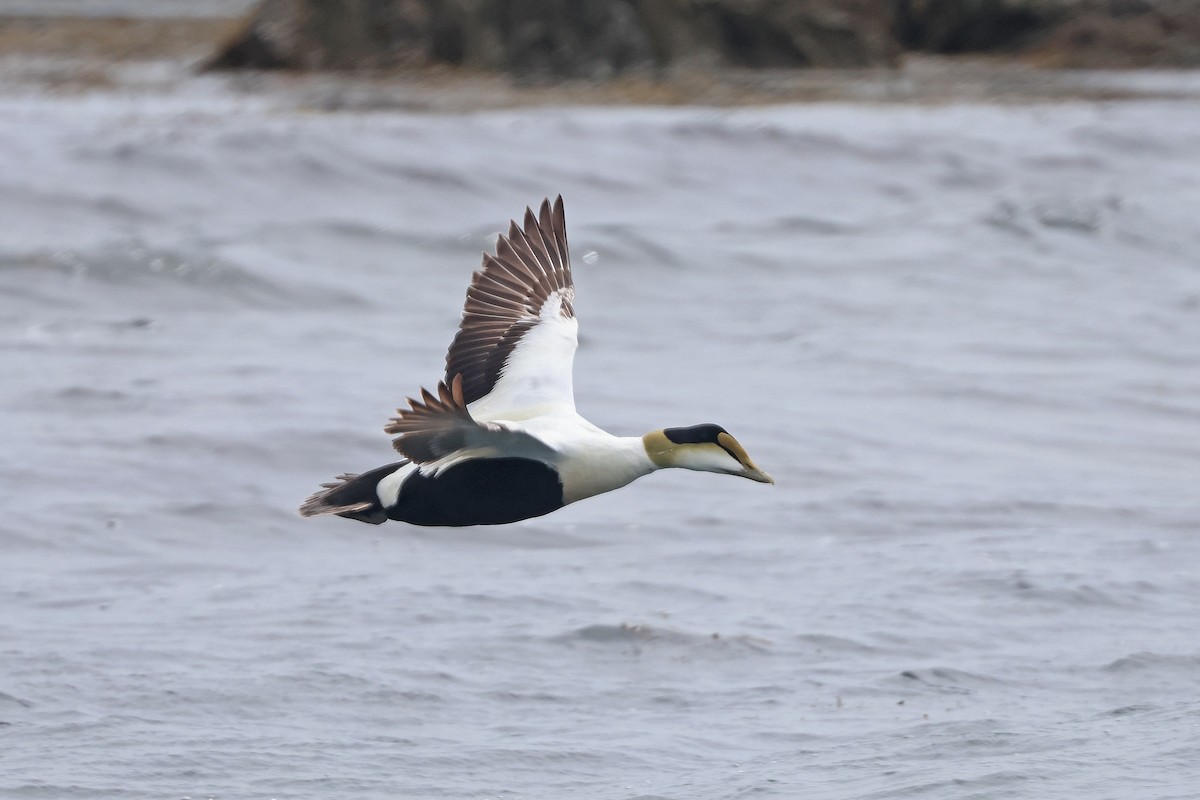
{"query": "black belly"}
[(486, 491)]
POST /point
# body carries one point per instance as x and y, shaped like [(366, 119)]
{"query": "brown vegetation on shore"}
[(115, 38)]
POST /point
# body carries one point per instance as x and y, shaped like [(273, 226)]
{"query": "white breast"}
[(591, 461)]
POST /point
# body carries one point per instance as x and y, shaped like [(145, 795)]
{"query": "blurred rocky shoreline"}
[(468, 54), (597, 39)]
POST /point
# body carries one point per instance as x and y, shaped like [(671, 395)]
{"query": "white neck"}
[(601, 464)]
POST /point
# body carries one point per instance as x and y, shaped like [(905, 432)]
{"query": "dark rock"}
[(346, 34), (1125, 33), (545, 39), (1060, 33), (771, 33), (968, 26)]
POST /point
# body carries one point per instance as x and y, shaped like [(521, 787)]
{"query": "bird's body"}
[(501, 440)]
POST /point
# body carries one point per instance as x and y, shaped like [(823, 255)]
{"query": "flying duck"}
[(500, 440)]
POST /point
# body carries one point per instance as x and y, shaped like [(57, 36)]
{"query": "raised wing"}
[(516, 344), (438, 431)]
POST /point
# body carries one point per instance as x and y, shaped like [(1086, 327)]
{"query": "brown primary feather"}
[(506, 296), (433, 426)]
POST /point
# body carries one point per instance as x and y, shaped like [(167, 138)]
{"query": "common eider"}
[(500, 440)]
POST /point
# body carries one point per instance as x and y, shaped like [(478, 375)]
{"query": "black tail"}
[(352, 496)]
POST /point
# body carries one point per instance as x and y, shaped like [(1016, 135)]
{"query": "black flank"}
[(486, 491)]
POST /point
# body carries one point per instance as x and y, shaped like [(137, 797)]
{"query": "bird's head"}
[(708, 448)]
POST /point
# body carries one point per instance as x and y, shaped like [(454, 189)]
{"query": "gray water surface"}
[(964, 339)]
